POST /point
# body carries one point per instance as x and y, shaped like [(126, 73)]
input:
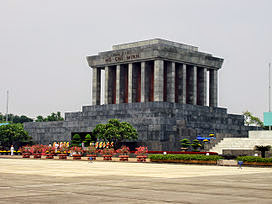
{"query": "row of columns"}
[(156, 80)]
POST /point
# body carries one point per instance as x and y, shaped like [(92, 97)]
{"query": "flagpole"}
[(269, 94)]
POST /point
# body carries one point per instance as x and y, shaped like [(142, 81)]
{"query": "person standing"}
[(56, 147), (11, 150)]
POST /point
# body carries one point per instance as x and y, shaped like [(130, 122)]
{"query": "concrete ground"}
[(56, 181)]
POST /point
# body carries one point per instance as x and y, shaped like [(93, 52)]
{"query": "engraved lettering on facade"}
[(122, 56)]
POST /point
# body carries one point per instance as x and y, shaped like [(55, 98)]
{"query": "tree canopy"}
[(115, 131), (252, 120), (53, 117), (13, 134), (16, 118)]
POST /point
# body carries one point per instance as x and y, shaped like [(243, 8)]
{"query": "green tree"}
[(13, 134), (116, 132), (40, 119), (252, 120), (15, 118), (21, 119), (53, 117)]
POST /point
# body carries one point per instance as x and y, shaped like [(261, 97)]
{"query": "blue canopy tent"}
[(208, 138), (4, 124)]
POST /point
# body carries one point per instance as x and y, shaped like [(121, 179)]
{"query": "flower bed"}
[(26, 155), (185, 158), (76, 156), (123, 158), (37, 155), (62, 156), (141, 158), (255, 161), (107, 157), (93, 156)]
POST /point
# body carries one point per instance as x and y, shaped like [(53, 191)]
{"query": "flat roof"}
[(153, 42)]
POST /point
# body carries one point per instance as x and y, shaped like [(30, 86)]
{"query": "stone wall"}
[(160, 124)]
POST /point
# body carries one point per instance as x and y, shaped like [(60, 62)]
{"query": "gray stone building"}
[(166, 90)]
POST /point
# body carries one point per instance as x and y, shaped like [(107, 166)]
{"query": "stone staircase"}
[(219, 138), (255, 138)]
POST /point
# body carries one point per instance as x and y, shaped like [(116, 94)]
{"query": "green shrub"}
[(76, 140), (185, 157), (88, 140), (254, 159), (196, 145), (76, 137), (185, 143)]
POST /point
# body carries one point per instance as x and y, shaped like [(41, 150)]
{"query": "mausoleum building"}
[(166, 90)]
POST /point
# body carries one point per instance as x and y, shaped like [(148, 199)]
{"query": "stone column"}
[(96, 86), (106, 95), (202, 86), (118, 85), (213, 88), (183, 84), (130, 80), (158, 80), (143, 78), (171, 82), (194, 88)]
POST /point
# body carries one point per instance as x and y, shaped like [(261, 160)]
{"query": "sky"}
[(44, 44)]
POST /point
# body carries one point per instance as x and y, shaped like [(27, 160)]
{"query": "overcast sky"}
[(44, 44)]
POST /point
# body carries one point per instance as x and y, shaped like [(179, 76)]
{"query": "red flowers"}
[(141, 150), (124, 150)]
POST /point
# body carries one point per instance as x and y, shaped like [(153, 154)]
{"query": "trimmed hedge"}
[(254, 159), (184, 157)]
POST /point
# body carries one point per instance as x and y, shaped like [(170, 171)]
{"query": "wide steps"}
[(239, 144)]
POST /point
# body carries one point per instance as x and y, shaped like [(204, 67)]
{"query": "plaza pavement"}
[(56, 181)]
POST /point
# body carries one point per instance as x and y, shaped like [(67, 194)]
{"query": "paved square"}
[(54, 181)]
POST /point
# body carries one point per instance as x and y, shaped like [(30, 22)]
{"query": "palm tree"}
[(262, 149)]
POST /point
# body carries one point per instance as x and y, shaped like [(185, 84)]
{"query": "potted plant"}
[(107, 153), (123, 151), (50, 152), (76, 152), (36, 150), (25, 150), (141, 153), (196, 145), (88, 140), (185, 144), (92, 152), (63, 152)]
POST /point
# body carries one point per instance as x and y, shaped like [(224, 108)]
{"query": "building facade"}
[(155, 70)]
